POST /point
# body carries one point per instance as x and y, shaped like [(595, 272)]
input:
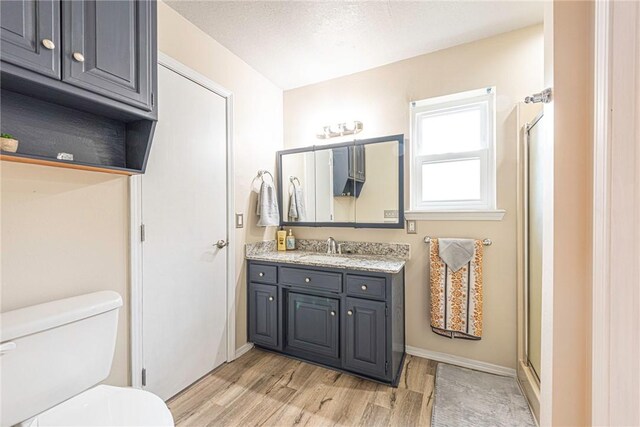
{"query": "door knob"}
[(363, 287), (270, 298), (78, 56), (333, 313), (48, 44), (261, 274), (221, 244), (307, 280), (350, 313)]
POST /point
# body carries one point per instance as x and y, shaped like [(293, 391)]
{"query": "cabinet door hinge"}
[(144, 377), (142, 232), (386, 367), (386, 311), (153, 99)]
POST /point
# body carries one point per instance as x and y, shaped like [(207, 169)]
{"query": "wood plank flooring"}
[(266, 389)]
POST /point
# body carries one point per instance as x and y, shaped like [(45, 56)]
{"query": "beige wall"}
[(380, 97), (66, 232)]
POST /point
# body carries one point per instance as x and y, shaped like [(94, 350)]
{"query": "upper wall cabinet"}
[(79, 79), (30, 33), (106, 49)]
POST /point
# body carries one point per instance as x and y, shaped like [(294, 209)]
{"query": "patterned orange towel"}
[(456, 296)]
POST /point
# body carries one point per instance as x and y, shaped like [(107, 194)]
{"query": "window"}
[(453, 153)]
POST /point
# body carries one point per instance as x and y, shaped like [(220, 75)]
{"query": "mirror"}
[(297, 171), (354, 184)]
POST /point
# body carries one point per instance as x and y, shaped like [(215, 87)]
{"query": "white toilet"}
[(52, 356)]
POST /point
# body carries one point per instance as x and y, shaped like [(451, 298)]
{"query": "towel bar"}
[(486, 242)]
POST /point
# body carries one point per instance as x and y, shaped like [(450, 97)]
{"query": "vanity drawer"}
[(366, 286), (311, 279), (263, 273)]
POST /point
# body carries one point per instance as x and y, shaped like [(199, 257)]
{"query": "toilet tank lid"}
[(37, 318)]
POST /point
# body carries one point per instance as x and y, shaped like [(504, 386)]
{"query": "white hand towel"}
[(267, 210), (293, 205), (456, 252), (300, 204), (297, 207)]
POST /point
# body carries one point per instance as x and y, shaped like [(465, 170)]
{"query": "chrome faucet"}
[(332, 247)]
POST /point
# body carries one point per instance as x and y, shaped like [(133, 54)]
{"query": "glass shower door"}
[(534, 210)]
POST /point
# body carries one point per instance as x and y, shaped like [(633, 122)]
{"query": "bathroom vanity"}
[(341, 311)]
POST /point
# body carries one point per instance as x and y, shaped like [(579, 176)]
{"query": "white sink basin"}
[(325, 258)]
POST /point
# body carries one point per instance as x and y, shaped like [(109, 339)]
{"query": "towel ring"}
[(485, 242), (263, 172), (294, 178)]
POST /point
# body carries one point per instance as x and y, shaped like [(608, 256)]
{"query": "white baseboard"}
[(242, 350), (461, 361)]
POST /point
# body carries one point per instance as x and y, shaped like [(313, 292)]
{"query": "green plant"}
[(6, 135)]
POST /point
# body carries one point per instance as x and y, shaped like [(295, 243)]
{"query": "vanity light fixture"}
[(340, 129)]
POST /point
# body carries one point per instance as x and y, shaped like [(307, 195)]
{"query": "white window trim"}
[(457, 215), (456, 210)]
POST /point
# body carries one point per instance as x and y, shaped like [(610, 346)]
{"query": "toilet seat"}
[(105, 405)]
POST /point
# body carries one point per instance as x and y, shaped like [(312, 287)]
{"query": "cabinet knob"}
[(78, 56), (261, 274), (307, 280), (333, 313), (270, 298), (48, 44), (350, 313), (363, 287)]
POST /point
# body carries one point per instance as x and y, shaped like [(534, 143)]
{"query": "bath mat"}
[(464, 397)]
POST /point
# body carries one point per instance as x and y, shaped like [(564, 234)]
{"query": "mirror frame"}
[(400, 222)]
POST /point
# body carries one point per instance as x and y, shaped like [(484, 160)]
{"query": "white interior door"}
[(184, 212)]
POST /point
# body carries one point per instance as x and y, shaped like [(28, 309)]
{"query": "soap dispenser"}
[(291, 241)]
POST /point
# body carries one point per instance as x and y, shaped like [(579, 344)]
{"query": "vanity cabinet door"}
[(365, 337), (263, 314), (30, 34), (313, 324), (108, 48)]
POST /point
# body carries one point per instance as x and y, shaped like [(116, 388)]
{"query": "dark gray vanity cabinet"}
[(107, 48), (263, 319), (365, 336), (30, 34), (313, 324), (345, 319)]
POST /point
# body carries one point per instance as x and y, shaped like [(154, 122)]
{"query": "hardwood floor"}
[(267, 389)]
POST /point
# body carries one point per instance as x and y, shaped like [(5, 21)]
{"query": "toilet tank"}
[(51, 352)]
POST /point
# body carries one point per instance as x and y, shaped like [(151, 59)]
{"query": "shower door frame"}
[(528, 381), (527, 138)]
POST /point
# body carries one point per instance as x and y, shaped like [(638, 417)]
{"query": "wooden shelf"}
[(37, 160), (98, 143)]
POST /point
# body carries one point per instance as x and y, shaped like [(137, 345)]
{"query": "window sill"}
[(457, 215)]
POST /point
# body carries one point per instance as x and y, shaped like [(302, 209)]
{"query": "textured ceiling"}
[(296, 43)]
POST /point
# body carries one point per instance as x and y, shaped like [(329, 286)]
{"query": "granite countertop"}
[(377, 257)]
